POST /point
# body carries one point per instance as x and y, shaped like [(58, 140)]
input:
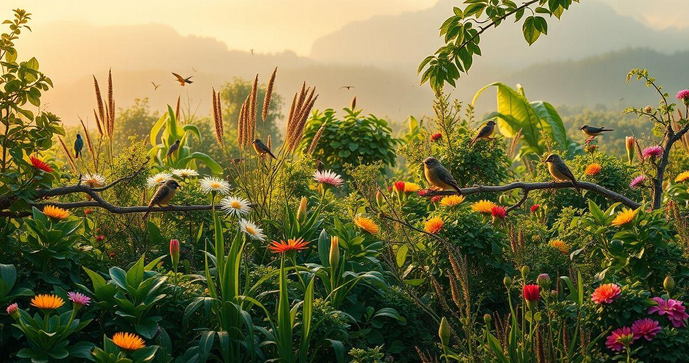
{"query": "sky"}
[(269, 26)]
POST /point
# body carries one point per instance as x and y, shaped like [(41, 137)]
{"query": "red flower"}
[(399, 186), (436, 137), (290, 245), (100, 237), (88, 211), (531, 293), (606, 294), (535, 207), (436, 199), (422, 192), (620, 339), (111, 254), (499, 212), (645, 328), (40, 164)]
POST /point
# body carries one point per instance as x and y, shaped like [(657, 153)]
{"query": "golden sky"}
[(277, 25)]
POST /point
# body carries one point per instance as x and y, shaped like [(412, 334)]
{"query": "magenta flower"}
[(79, 299), (674, 310), (638, 181), (328, 177), (619, 339), (683, 95), (645, 328), (652, 152)]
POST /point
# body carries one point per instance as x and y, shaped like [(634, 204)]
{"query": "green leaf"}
[(531, 34), (402, 255), (556, 128)]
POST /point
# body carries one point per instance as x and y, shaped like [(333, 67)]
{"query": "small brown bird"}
[(485, 132), (155, 86), (559, 170), (593, 131), (347, 87), (182, 81), (438, 176), (262, 149), (172, 149), (163, 195)]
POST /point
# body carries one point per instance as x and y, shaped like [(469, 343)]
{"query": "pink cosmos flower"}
[(637, 182), (674, 310), (328, 177), (645, 328), (78, 298), (619, 339), (12, 308), (606, 294), (683, 94), (652, 151)]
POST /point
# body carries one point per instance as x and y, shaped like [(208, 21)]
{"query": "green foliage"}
[(9, 290), (111, 353), (354, 140)]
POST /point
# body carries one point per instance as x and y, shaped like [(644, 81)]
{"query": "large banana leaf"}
[(203, 158)]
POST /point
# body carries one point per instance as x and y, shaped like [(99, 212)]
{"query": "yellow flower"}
[(47, 302), (483, 206), (433, 225), (366, 224), (55, 212), (128, 341), (411, 187), (624, 217), (560, 245), (593, 169), (682, 177), (451, 200)]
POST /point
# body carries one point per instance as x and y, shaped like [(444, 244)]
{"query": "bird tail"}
[(576, 186), (148, 211), (473, 141), (606, 130), (271, 154), (76, 155)]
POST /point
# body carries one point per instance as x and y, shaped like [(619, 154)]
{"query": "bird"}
[(438, 176), (182, 81), (593, 131), (484, 132), (172, 149), (155, 86), (262, 149), (347, 87), (163, 195), (194, 69), (78, 146), (559, 170)]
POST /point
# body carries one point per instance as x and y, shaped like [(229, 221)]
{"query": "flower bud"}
[(444, 332), (629, 144), (648, 109), (507, 281), (301, 212), (525, 272), (174, 252), (379, 199), (13, 311), (487, 318), (334, 257), (669, 283), (543, 280), (553, 294)]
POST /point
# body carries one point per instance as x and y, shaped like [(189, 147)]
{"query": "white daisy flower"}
[(213, 184), (252, 230), (235, 206), (184, 173), (157, 179), (328, 177), (93, 180)]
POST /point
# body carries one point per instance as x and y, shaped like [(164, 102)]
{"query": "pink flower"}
[(672, 308), (606, 294), (645, 328), (436, 137), (79, 299), (638, 181), (328, 177), (652, 151), (619, 339), (423, 192), (683, 95), (499, 212), (436, 199), (535, 207), (12, 308)]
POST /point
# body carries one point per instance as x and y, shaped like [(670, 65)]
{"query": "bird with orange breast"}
[(262, 149), (484, 132), (163, 195), (438, 176)]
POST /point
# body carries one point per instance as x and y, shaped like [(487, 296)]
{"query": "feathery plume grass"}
[(269, 92), (302, 104), (111, 105), (316, 138), (177, 108), (353, 106), (217, 119), (269, 143), (100, 130), (69, 156), (253, 108), (88, 139), (291, 111), (100, 116)]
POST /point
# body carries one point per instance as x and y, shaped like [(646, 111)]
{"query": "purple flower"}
[(652, 151), (683, 94), (79, 299), (645, 328), (638, 181), (674, 310)]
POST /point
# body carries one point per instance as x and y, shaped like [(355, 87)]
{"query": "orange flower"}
[(433, 225), (40, 164), (605, 294), (290, 245), (55, 212), (562, 246), (411, 187), (625, 216), (47, 302), (128, 341), (366, 224), (451, 200), (593, 169), (682, 177), (483, 206)]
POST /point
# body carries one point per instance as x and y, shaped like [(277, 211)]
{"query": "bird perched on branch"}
[(78, 146), (593, 131), (559, 170), (261, 148), (182, 81), (171, 150), (438, 176), (163, 195), (485, 132)]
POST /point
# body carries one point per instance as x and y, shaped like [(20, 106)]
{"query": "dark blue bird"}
[(78, 146)]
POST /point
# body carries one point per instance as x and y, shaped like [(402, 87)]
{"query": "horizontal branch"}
[(527, 187)]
